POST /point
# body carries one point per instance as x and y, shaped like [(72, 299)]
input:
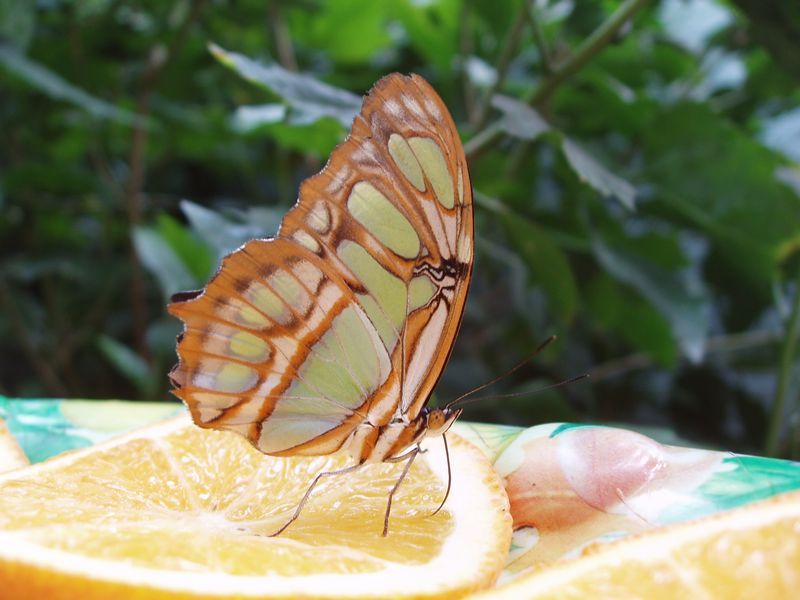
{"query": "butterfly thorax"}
[(371, 443)]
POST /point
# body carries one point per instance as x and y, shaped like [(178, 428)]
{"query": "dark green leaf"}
[(127, 363), (56, 87), (161, 336), (156, 254), (28, 269), (510, 262), (549, 405), (350, 31), (432, 29), (724, 182), (317, 138), (632, 317), (17, 22), (547, 264), (192, 252), (685, 307)]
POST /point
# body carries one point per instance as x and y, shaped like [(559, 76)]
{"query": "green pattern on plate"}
[(46, 427)]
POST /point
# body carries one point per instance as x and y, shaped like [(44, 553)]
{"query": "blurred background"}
[(636, 168)]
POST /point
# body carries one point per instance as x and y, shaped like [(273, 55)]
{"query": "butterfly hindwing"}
[(278, 349), (351, 312)]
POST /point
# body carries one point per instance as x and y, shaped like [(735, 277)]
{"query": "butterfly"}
[(332, 335)]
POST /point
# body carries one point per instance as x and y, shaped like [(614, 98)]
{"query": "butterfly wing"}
[(350, 314)]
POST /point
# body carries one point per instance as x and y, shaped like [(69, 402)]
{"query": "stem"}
[(483, 139), (283, 41), (133, 191), (585, 52), (538, 37), (772, 442), (592, 45), (157, 62), (89, 325), (721, 344), (48, 376), (506, 56), (465, 50)]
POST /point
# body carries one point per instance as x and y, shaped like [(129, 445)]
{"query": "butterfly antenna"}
[(519, 365), (525, 393)]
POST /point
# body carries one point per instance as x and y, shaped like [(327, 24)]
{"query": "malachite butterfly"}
[(332, 335)]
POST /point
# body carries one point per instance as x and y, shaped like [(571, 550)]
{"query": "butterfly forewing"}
[(350, 314)]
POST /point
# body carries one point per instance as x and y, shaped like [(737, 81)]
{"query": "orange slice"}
[(174, 511), (750, 552)]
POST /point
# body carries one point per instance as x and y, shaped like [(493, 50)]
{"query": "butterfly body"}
[(332, 335), (373, 443)]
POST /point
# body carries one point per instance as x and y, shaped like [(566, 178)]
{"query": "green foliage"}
[(306, 98), (57, 88), (636, 189)]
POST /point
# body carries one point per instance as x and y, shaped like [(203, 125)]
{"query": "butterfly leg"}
[(409, 458), (305, 497), (449, 476)]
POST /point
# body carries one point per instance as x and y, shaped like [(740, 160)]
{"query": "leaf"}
[(28, 269), (17, 22), (317, 138), (432, 29), (691, 23), (636, 320), (350, 32), (538, 397), (510, 262), (519, 120), (782, 133), (129, 364), (479, 72), (685, 307), (523, 122), (790, 176), (225, 234), (591, 172), (54, 86), (160, 338), (547, 265), (194, 253), (308, 98), (248, 118), (162, 261), (88, 9), (724, 183)]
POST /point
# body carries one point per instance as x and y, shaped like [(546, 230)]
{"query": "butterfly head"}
[(439, 420)]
